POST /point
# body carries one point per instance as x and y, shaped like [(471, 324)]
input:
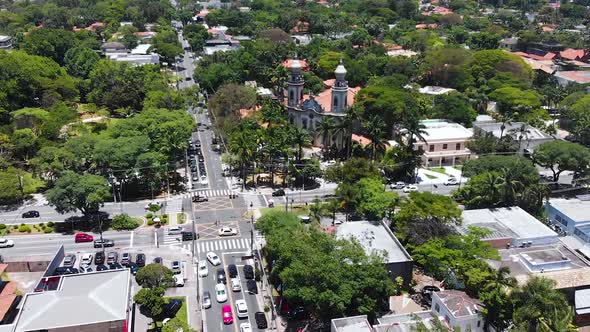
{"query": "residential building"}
[(509, 44), (526, 136), (509, 227), (136, 59), (458, 309), (444, 143), (113, 47), (5, 42), (566, 77), (308, 111), (351, 324), (582, 306), (571, 215), (86, 302), (141, 49), (574, 54), (435, 90), (376, 237)]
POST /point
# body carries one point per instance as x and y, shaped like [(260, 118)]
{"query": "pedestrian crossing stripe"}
[(216, 245), (213, 193)]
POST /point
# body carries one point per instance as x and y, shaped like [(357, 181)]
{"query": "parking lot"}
[(214, 203)]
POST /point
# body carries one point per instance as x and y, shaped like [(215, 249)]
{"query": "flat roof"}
[(575, 209), (375, 237), (517, 221), (437, 130), (578, 76), (511, 129), (141, 49), (408, 322), (352, 324), (80, 299), (435, 90), (582, 301)]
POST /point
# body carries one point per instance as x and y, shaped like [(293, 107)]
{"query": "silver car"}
[(206, 300)]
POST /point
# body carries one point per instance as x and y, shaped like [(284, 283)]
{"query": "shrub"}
[(2, 226), (24, 228), (48, 230), (164, 216), (150, 222), (50, 224), (42, 224), (124, 222), (149, 215)]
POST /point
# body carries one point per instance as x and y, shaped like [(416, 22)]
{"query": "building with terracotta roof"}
[(458, 309), (308, 111), (574, 54), (567, 77)]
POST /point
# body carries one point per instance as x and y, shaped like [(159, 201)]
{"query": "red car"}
[(83, 237), (227, 314)]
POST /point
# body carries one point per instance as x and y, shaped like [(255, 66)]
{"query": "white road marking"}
[(131, 240)]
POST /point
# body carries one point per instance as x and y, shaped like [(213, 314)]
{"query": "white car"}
[(85, 269), (5, 243), (213, 258), (397, 185), (175, 230), (235, 285), (178, 280), (204, 180), (203, 270), (451, 182), (242, 308), (86, 260), (227, 231), (245, 327), (410, 188), (220, 293)]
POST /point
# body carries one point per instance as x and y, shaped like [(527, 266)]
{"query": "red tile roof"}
[(573, 54), (459, 303)]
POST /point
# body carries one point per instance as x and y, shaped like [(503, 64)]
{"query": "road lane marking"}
[(131, 241)]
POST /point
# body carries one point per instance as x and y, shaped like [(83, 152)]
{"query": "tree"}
[(351, 171), (175, 325), (376, 131), (123, 222), (424, 215), (560, 156), (361, 37), (455, 108), (373, 202), (151, 300), (483, 40), (516, 101), (51, 43), (154, 276), (196, 34), (17, 184), (83, 192), (80, 61), (229, 99), (538, 303)]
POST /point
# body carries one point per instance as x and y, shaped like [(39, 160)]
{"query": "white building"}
[(445, 143), (458, 309)]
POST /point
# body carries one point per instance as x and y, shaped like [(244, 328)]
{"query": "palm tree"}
[(243, 145), (375, 131), (415, 130), (558, 322), (324, 129), (510, 187), (505, 119), (300, 139), (501, 279), (353, 116)]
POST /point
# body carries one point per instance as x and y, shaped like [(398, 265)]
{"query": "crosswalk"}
[(214, 245), (214, 192), (172, 240), (173, 206)]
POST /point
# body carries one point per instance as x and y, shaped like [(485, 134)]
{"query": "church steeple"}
[(340, 90), (295, 84)]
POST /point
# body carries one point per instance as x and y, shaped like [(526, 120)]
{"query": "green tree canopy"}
[(80, 61), (17, 184), (154, 276), (78, 192), (559, 156)]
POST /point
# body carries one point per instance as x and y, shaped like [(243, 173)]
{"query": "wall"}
[(26, 266), (558, 218), (116, 326), (402, 269), (467, 323)]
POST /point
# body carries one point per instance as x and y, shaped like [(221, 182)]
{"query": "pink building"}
[(445, 143)]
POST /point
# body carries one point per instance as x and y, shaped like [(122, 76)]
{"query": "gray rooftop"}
[(351, 324), (575, 209), (513, 221), (512, 129), (406, 322), (582, 301), (374, 236), (80, 299)]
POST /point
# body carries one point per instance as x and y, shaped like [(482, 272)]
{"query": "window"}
[(458, 146), (478, 323), (335, 102), (431, 148), (445, 146), (304, 125), (437, 307), (291, 95)]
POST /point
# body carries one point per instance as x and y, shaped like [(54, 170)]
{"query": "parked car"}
[(203, 269), (410, 188), (227, 315), (115, 266), (245, 327), (158, 260), (220, 293), (221, 276), (260, 319), (204, 180), (62, 270), (106, 243), (451, 182), (83, 237), (101, 267), (200, 198), (69, 260), (31, 214), (6, 243), (99, 258), (85, 269), (397, 185), (248, 272), (213, 258), (112, 257), (279, 192), (171, 309), (175, 267), (175, 230), (206, 300), (140, 260), (201, 158), (242, 308), (178, 280), (232, 270), (251, 286), (235, 284), (227, 231), (133, 268), (86, 260), (125, 259)]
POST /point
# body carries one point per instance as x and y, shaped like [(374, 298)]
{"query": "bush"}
[(48, 230), (24, 228), (2, 226), (123, 222), (149, 215), (164, 216), (50, 224), (150, 222)]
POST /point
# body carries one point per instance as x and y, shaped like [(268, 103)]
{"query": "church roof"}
[(324, 98), (289, 64)]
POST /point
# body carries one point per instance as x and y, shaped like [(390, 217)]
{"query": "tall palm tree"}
[(243, 145), (300, 139), (501, 279), (510, 188), (375, 131), (416, 132), (352, 118), (324, 130)]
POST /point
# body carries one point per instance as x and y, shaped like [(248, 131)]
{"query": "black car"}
[(99, 258), (248, 272), (171, 308), (31, 214), (134, 268), (201, 158), (189, 236), (107, 243), (115, 266), (221, 276), (251, 286), (232, 270), (158, 260), (101, 267), (260, 319), (193, 168), (200, 198), (198, 143), (279, 192), (62, 270), (140, 260)]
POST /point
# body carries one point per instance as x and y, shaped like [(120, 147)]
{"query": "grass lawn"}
[(297, 209), (440, 170), (431, 176), (182, 314)]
